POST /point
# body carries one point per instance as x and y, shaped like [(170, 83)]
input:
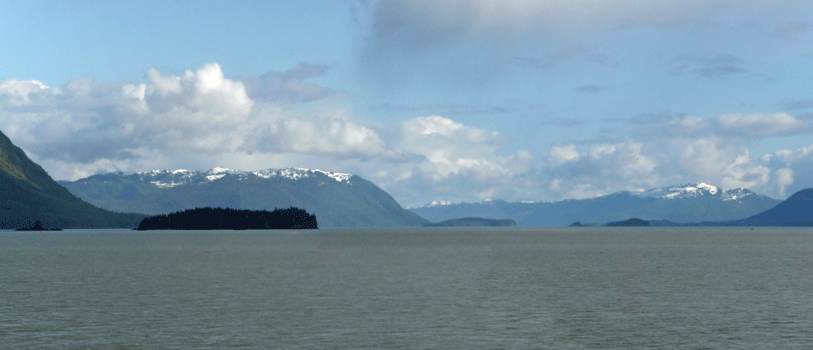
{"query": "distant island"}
[(37, 226), (231, 219), (634, 222), (580, 224), (474, 222)]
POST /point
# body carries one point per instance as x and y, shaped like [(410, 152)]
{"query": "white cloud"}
[(450, 147), (784, 178), (560, 155), (14, 92), (627, 160), (603, 169), (725, 162), (89, 125), (326, 136), (202, 118), (745, 173), (762, 125), (201, 96), (450, 160), (793, 170), (688, 125)]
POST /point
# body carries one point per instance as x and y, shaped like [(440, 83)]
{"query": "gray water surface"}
[(518, 288)]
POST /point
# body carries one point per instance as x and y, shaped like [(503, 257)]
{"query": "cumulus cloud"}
[(784, 178), (201, 117), (665, 150), (601, 169), (202, 96), (626, 159), (15, 93), (671, 158), (762, 125), (451, 147), (792, 169), (738, 125), (453, 161), (561, 155), (91, 125), (327, 136)]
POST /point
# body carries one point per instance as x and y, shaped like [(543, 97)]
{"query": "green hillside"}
[(28, 193)]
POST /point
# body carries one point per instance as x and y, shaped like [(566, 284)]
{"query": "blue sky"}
[(461, 100)]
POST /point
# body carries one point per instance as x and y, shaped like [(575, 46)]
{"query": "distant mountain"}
[(474, 222), (28, 194), (337, 199), (797, 210), (679, 204)]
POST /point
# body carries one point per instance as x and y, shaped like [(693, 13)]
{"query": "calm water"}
[(592, 288)]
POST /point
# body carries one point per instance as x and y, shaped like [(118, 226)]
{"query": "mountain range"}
[(680, 204), (337, 199), (29, 195)]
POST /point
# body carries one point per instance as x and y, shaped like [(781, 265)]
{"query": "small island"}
[(231, 219), (634, 222), (474, 222), (37, 226)]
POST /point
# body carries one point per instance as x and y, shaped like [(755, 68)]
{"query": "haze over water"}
[(517, 288)]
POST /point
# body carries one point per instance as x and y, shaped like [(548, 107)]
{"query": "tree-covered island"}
[(231, 219)]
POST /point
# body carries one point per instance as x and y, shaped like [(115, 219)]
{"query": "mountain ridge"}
[(797, 211), (337, 199), (684, 203), (30, 194)]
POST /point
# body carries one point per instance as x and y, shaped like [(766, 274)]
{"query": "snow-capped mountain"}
[(681, 203), (172, 178), (337, 199), (695, 190)]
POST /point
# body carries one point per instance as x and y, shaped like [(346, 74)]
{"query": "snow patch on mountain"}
[(160, 184), (680, 191), (694, 190), (299, 173), (215, 177), (734, 194), (339, 177), (172, 178), (439, 203)]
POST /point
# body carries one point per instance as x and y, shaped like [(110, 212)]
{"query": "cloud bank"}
[(202, 118), (199, 112)]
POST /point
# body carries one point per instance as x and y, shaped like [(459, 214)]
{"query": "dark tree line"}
[(231, 219)]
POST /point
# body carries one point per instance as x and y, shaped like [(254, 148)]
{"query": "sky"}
[(458, 100)]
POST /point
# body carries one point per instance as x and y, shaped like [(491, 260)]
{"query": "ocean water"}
[(447, 288)]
